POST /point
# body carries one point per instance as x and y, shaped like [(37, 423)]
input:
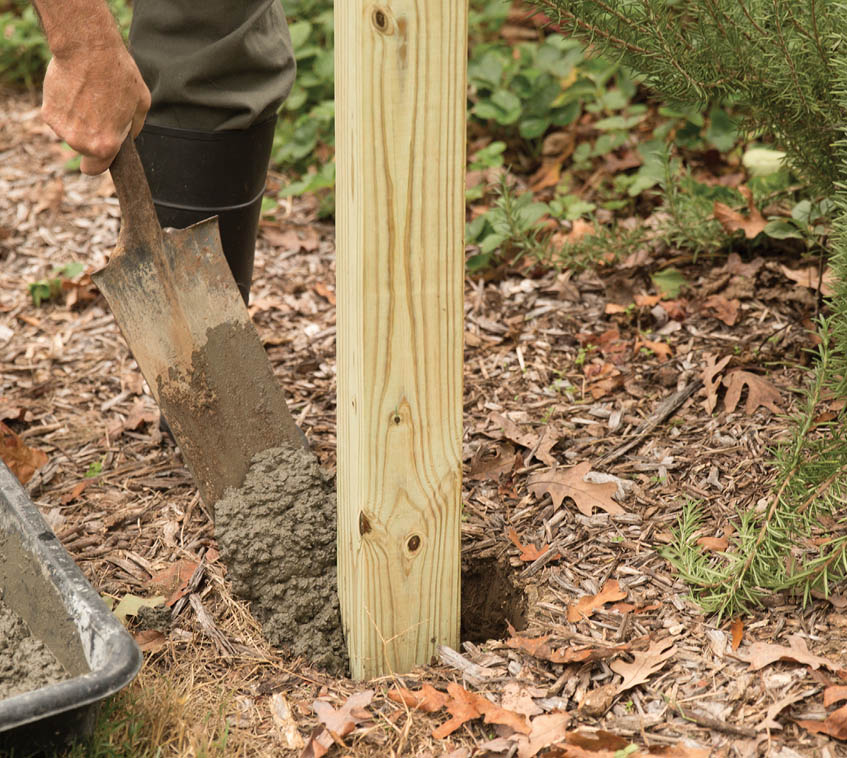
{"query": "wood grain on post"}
[(400, 99)]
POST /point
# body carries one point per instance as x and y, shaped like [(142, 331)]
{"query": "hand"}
[(94, 97)]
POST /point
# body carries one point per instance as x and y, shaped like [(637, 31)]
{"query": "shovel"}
[(180, 311)]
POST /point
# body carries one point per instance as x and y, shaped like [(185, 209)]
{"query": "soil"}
[(276, 534), (25, 661)]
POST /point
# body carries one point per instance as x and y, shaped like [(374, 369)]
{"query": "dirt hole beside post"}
[(491, 599)]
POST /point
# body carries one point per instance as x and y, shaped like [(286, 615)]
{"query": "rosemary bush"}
[(783, 66)]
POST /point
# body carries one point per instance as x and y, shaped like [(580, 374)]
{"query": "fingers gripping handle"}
[(140, 228)]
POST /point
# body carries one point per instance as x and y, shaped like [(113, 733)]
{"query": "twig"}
[(701, 719), (666, 409)]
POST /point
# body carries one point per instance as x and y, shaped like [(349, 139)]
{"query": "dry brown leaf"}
[(834, 694), (734, 265), (173, 580), (761, 654), (325, 292), (320, 741), (519, 699), (585, 606), (769, 721), (340, 722), (737, 630), (579, 229), (546, 731), (547, 175), (647, 301), (712, 379), (75, 492), (307, 239), (644, 664), (511, 431), (426, 699), (150, 640), (760, 392), (568, 482), (462, 708), (732, 221), (662, 350), (723, 309), (538, 647), (22, 461), (835, 724), (811, 278), (485, 466), (718, 544), (529, 552), (140, 413)]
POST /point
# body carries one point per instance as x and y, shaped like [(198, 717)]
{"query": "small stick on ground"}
[(666, 409)]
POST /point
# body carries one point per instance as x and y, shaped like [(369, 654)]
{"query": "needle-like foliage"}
[(783, 66)]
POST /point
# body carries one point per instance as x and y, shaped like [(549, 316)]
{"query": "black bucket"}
[(42, 584)]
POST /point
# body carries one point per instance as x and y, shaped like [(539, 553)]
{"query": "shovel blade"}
[(183, 318)]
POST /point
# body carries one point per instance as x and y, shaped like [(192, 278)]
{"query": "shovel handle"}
[(139, 225)]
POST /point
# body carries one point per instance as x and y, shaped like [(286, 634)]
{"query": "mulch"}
[(554, 377)]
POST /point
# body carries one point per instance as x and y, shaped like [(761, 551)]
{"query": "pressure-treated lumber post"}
[(400, 99)]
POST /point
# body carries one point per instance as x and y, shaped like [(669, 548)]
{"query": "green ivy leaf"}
[(669, 282)]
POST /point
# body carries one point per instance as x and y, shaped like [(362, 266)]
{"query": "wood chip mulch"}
[(554, 378)]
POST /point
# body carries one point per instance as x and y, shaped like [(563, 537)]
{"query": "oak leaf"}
[(173, 580), (465, 706), (426, 699), (644, 664), (662, 350), (835, 725), (762, 654), (723, 309), (712, 379), (341, 721), (586, 605), (528, 552), (22, 461), (539, 647), (486, 465), (718, 544), (732, 221), (760, 392), (560, 483), (834, 694), (737, 630), (546, 730), (810, 277)]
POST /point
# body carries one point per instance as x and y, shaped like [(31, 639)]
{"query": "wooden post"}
[(400, 99)]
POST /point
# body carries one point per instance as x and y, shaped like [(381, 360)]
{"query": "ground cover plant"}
[(642, 281)]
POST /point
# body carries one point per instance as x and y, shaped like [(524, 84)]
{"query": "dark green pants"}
[(212, 64)]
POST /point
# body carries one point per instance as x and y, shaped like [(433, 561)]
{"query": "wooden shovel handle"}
[(139, 224)]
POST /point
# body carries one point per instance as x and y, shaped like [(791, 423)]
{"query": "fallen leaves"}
[(529, 552), (644, 664), (834, 725), (761, 654), (585, 606), (723, 309), (464, 706), (337, 722), (760, 392), (22, 461), (560, 483), (427, 699), (731, 220)]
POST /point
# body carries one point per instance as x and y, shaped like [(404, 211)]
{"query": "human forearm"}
[(93, 92), (74, 25)]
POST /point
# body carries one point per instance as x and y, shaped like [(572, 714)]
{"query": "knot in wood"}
[(381, 18)]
